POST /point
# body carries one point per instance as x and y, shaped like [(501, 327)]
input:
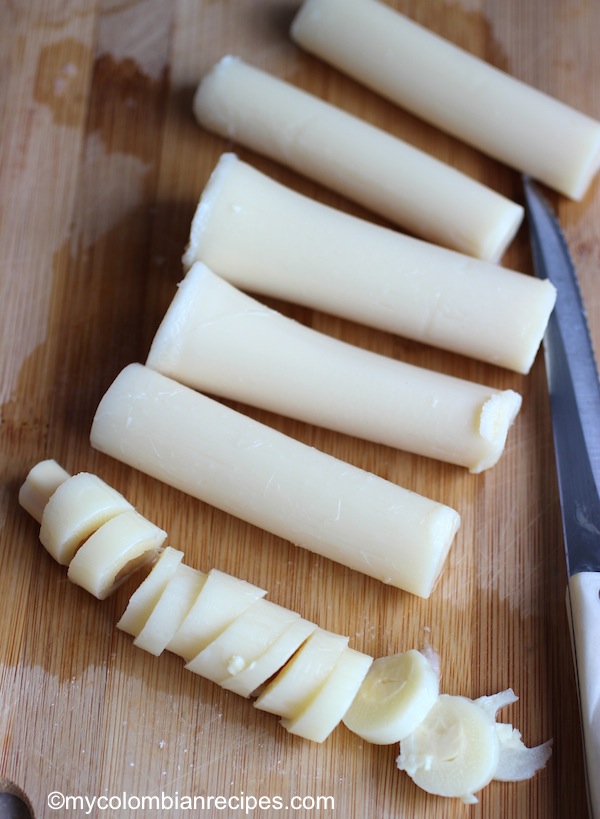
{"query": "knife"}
[(574, 390)]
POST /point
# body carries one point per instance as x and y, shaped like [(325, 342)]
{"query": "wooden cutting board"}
[(101, 166)]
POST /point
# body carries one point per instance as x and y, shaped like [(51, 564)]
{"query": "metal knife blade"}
[(574, 389)]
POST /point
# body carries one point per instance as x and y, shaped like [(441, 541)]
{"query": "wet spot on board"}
[(61, 80), (127, 106), (126, 75)]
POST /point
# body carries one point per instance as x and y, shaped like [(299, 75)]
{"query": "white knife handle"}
[(584, 602)]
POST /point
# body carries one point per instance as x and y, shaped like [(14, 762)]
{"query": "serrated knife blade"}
[(574, 390)]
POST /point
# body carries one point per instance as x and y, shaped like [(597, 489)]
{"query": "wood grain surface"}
[(101, 166)]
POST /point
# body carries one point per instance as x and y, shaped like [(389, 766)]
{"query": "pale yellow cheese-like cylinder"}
[(116, 549), (78, 507), (250, 679), (332, 700), (146, 597), (266, 238), (219, 340), (177, 598), (41, 483), (296, 685), (256, 473), (454, 90), (356, 159), (243, 642), (224, 598)]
